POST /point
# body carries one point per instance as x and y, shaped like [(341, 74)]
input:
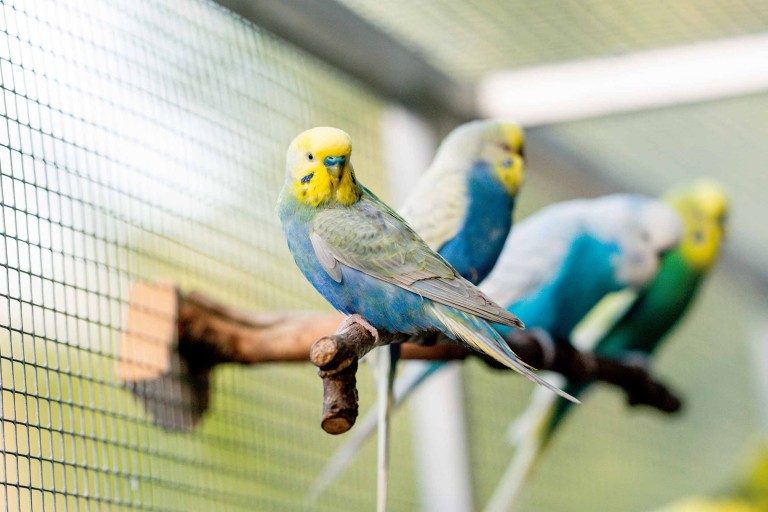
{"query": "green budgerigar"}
[(638, 331)]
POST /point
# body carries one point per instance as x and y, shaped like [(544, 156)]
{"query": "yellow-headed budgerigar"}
[(462, 206), (638, 329), (558, 263), (365, 259)]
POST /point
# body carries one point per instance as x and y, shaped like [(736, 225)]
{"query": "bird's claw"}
[(359, 320)]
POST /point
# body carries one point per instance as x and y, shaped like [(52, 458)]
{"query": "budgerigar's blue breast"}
[(586, 275), (383, 305), (476, 247)]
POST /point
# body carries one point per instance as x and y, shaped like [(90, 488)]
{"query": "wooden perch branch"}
[(635, 380), (179, 337)]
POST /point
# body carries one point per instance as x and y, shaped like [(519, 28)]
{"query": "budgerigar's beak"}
[(334, 164)]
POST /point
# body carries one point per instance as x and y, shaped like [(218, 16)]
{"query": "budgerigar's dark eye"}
[(698, 236), (310, 156)]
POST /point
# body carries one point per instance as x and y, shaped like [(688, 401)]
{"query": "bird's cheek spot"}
[(307, 178), (507, 163)]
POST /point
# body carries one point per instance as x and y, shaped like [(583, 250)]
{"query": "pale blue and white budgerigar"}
[(558, 263), (462, 206), (563, 260), (365, 259), (632, 330)]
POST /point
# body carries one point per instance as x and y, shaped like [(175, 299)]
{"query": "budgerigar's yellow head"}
[(501, 144), (318, 167), (704, 210), (503, 147), (495, 141)]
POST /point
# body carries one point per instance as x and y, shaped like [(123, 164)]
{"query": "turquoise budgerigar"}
[(365, 259), (462, 206), (636, 331), (561, 261)]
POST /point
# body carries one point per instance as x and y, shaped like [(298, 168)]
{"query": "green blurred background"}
[(144, 139)]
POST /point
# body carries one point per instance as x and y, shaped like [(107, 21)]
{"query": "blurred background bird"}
[(365, 259), (463, 205), (558, 263), (749, 493), (639, 330)]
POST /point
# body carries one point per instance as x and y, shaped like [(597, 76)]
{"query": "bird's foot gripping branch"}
[(336, 357), (172, 341)]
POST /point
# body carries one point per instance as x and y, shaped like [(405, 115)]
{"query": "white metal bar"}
[(441, 444), (650, 79), (437, 410), (759, 345)]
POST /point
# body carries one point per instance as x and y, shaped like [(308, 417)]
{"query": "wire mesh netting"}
[(146, 140), (469, 38), (647, 151)]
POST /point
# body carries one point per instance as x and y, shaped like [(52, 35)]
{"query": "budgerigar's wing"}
[(371, 238), (437, 217), (534, 252)]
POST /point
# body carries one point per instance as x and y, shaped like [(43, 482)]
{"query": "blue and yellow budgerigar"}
[(462, 206), (365, 259), (639, 327)]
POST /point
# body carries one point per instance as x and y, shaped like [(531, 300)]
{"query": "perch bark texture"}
[(169, 335), (338, 363)]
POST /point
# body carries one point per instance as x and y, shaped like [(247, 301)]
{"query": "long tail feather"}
[(481, 336), (412, 374), (540, 409)]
